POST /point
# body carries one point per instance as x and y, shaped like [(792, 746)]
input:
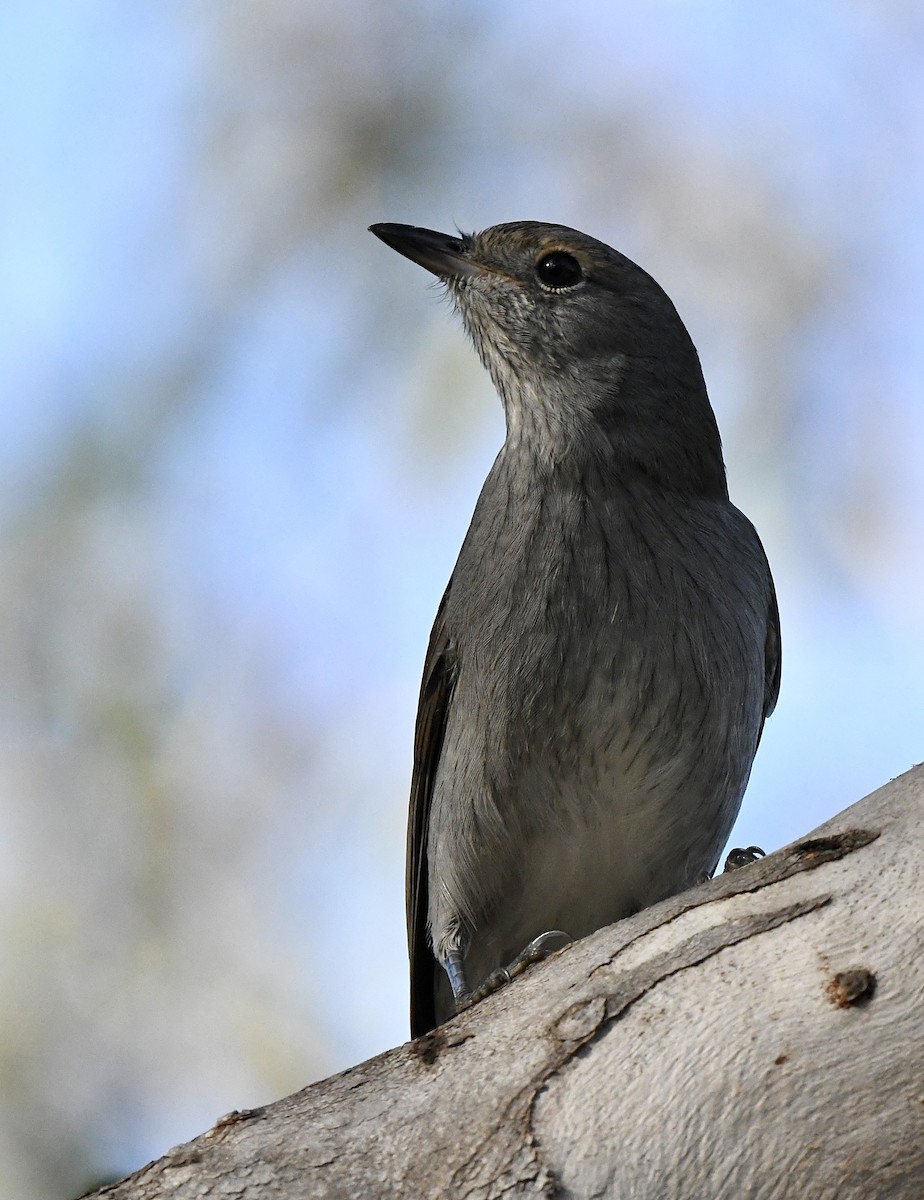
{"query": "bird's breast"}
[(604, 636)]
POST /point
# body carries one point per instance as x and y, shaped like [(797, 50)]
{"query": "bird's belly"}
[(611, 848)]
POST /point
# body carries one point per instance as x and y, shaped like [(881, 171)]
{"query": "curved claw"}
[(541, 947), (741, 856)]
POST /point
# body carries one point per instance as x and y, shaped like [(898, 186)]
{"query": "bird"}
[(607, 649)]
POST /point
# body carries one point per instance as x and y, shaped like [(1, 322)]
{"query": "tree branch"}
[(757, 1036)]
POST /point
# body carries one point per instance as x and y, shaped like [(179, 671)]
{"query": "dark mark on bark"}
[(427, 1048), (851, 988), (827, 849)]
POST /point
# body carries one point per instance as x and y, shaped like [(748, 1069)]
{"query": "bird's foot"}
[(741, 856), (539, 948)]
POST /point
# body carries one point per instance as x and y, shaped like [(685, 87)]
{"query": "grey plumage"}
[(607, 649)]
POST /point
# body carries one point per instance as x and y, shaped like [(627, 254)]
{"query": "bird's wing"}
[(773, 653), (435, 698)]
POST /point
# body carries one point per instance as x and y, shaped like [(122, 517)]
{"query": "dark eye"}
[(559, 269)]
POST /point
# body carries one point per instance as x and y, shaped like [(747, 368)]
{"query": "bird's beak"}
[(441, 253)]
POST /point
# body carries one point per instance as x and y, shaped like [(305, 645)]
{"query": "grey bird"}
[(608, 647)]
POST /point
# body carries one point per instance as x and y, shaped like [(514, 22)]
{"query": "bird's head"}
[(586, 350)]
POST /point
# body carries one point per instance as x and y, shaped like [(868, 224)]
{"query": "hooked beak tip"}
[(441, 253)]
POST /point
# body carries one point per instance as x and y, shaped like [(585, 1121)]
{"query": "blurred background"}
[(240, 442)]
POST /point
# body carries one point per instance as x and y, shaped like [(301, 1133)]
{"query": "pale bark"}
[(761, 1036)]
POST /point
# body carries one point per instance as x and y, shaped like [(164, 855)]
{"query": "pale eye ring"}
[(559, 269)]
